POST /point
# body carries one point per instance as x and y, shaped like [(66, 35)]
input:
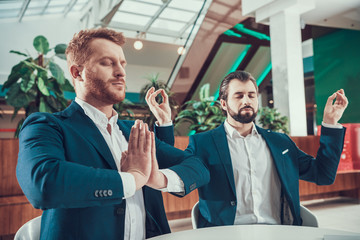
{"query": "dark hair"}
[(239, 75), (78, 49)]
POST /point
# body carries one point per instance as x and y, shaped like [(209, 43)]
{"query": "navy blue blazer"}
[(66, 168), (217, 199)]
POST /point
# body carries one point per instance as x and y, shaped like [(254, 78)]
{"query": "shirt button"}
[(120, 211)]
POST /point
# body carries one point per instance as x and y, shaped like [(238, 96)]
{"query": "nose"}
[(246, 101), (119, 71)]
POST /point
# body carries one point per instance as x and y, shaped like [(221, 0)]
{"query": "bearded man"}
[(95, 176), (254, 173)]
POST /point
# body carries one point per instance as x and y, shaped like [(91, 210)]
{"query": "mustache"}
[(246, 108), (118, 80)]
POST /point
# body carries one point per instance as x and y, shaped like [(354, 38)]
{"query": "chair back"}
[(195, 215), (30, 230), (309, 219)]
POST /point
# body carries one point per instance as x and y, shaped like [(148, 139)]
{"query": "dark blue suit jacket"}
[(66, 168), (217, 200)]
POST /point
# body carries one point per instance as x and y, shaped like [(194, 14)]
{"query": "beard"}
[(243, 116), (101, 90)]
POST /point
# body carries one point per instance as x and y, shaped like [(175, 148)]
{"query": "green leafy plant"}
[(157, 84), (37, 84), (124, 109), (270, 118), (203, 115)]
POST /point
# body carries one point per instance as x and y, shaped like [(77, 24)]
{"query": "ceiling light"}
[(138, 45), (181, 50)]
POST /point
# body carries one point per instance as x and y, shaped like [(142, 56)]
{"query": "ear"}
[(75, 72), (223, 104)]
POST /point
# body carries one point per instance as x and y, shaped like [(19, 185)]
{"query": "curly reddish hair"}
[(78, 49)]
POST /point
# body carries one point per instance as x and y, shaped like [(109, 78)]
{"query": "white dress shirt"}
[(256, 180), (135, 208)]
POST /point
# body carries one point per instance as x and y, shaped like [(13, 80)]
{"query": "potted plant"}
[(157, 84), (203, 115), (37, 84), (270, 118)]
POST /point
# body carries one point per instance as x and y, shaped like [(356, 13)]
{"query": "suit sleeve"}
[(50, 180), (191, 169), (165, 134), (322, 169)]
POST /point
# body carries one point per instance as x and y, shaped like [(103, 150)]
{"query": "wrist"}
[(161, 122), (140, 179), (158, 181), (329, 121)]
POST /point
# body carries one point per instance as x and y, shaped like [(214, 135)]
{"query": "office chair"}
[(30, 230), (309, 219), (195, 215)]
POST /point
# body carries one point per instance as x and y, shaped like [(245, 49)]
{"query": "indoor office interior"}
[(187, 47)]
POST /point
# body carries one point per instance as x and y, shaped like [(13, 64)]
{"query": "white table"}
[(261, 232)]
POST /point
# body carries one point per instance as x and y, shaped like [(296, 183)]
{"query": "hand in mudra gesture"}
[(333, 111)]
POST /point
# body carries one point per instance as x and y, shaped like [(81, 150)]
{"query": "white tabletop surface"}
[(261, 232)]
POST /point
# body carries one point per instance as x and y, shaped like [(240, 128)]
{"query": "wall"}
[(336, 65)]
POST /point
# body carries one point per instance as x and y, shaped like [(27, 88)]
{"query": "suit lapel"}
[(222, 147), (276, 154), (86, 128)]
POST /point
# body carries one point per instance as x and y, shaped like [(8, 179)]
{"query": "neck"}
[(243, 128), (101, 106)]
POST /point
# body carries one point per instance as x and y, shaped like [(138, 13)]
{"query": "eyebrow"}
[(251, 92)]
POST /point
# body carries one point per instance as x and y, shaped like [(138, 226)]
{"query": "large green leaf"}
[(34, 66), (60, 51), (57, 72), (16, 110), (27, 83), (41, 44), (19, 53), (55, 104), (42, 87), (17, 72), (204, 92), (17, 98), (44, 107), (54, 86), (69, 88)]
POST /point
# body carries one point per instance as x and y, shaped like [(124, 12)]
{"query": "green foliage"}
[(157, 84), (124, 110), (203, 115), (270, 118), (37, 84)]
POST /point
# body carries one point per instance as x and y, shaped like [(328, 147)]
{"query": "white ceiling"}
[(169, 21), (335, 13)]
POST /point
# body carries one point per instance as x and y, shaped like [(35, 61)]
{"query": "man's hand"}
[(334, 111), (157, 179), (162, 111), (137, 160)]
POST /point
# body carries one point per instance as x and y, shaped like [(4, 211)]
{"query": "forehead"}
[(105, 48), (236, 86)]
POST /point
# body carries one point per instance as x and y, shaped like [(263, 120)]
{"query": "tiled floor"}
[(337, 213)]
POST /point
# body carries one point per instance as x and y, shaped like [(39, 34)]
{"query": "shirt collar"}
[(97, 116), (233, 133)]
